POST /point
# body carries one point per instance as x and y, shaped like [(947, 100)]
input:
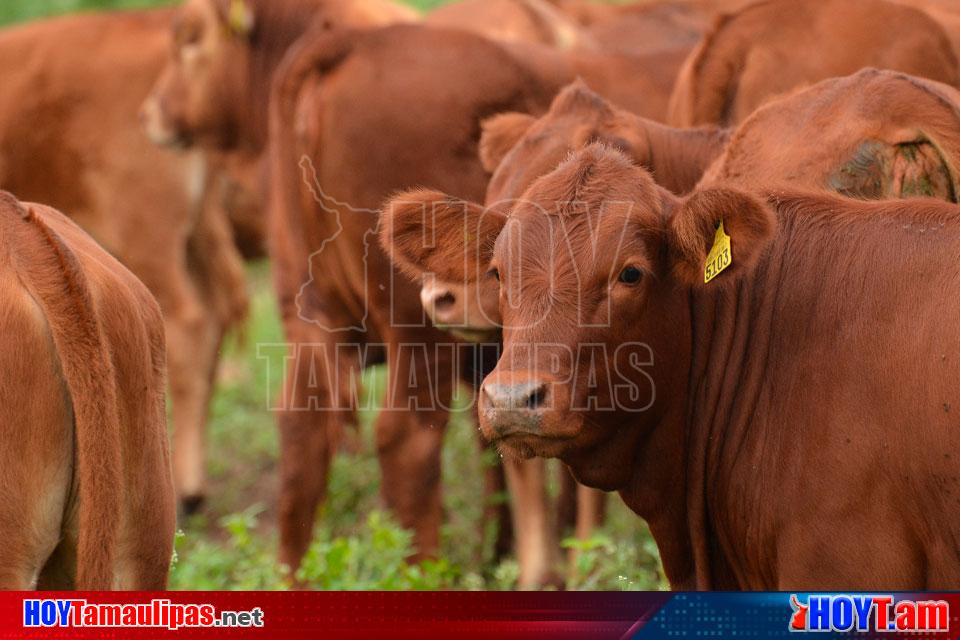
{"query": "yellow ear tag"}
[(719, 257), (240, 18)]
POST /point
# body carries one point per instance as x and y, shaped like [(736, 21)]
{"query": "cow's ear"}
[(431, 232), (500, 134), (711, 221)]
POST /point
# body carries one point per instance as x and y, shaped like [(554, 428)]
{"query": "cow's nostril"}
[(516, 397), (537, 398), (445, 301)]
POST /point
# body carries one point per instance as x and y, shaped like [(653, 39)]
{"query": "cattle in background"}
[(425, 93), (512, 21), (718, 399), (88, 500), (751, 56), (212, 60), (639, 27), (69, 137)]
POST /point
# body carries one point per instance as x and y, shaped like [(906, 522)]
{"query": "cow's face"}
[(446, 243), (592, 265), (196, 93), (518, 148), (468, 310)]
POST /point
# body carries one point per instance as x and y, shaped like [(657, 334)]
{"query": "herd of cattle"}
[(708, 250)]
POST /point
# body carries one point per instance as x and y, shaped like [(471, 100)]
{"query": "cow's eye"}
[(630, 275), (494, 273)]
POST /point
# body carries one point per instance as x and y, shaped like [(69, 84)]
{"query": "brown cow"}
[(748, 420), (417, 126), (752, 55), (88, 498), (69, 137), (470, 309)]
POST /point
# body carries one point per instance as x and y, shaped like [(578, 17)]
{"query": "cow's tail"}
[(57, 282), (315, 53)]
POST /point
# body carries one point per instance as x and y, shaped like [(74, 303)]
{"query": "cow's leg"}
[(538, 548), (211, 300), (36, 431), (193, 340), (410, 431), (591, 509), (311, 425), (566, 502)]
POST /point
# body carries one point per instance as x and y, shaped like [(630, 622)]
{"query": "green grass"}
[(232, 545)]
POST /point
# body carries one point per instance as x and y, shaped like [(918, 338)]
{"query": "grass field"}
[(232, 544)]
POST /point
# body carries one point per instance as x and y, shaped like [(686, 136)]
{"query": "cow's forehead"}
[(591, 181), (594, 235)]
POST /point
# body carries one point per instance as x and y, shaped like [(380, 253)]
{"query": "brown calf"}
[(88, 497), (745, 417), (518, 148)]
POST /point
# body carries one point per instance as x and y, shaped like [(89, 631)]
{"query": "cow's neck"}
[(650, 447), (725, 496), (679, 157)]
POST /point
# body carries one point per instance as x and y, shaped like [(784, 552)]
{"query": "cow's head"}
[(518, 148), (196, 97), (458, 292), (216, 83), (593, 265)]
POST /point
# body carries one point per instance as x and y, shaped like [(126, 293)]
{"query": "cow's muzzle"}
[(516, 405)]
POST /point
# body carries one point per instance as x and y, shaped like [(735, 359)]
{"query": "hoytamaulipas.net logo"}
[(867, 613), (158, 613)]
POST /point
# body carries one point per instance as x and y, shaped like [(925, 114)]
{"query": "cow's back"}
[(764, 50), (879, 134)]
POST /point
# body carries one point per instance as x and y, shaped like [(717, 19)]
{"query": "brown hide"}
[(751, 56), (89, 501)]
